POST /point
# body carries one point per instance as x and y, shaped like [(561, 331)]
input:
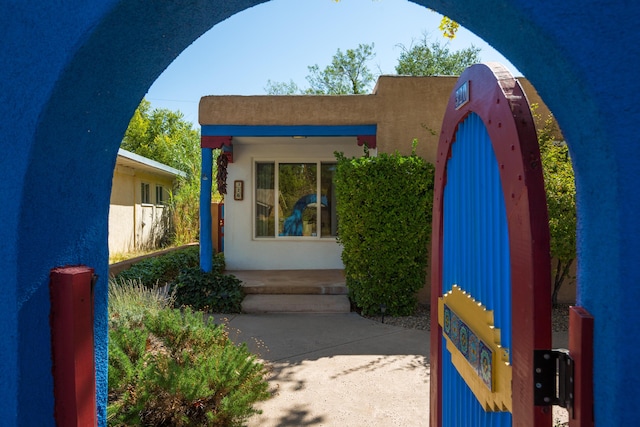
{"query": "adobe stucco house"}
[(269, 138), (139, 193)]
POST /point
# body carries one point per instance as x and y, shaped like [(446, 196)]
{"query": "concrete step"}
[(294, 289), (269, 303), (294, 282)]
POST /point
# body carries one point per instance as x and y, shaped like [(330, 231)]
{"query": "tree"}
[(434, 59), (348, 73), (164, 136), (560, 188), (282, 88)]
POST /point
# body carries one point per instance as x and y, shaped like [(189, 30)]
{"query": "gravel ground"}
[(421, 319)]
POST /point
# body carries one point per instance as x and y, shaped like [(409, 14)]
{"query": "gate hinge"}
[(553, 376)]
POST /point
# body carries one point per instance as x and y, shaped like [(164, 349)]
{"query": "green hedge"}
[(384, 210)]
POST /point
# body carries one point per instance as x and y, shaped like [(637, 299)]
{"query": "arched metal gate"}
[(491, 304)]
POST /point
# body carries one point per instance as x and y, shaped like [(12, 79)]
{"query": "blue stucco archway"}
[(72, 73)]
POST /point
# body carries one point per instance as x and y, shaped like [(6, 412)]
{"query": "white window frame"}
[(145, 186), (160, 191), (276, 163)]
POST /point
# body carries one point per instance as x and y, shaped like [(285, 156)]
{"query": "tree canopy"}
[(164, 136), (434, 59), (348, 73)]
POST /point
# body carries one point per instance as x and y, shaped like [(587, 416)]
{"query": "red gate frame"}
[(497, 97)]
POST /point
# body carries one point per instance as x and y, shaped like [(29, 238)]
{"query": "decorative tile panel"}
[(476, 352), (474, 344)]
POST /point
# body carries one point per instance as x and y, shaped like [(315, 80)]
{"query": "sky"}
[(279, 39)]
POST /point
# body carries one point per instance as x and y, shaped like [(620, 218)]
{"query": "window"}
[(159, 195), (144, 193), (287, 194)]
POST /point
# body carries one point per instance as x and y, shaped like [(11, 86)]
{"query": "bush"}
[(172, 368), (213, 292), (130, 301), (384, 209), (165, 268)]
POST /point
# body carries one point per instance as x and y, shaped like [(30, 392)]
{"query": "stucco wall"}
[(242, 250), (122, 212), (132, 225), (402, 107), (72, 74)]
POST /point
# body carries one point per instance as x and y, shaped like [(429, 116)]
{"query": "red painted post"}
[(72, 348), (581, 351)]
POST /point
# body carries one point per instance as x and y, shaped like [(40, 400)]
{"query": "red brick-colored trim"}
[(215, 142), (581, 325), (370, 140)]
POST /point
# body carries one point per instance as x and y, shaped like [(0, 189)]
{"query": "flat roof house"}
[(280, 206)]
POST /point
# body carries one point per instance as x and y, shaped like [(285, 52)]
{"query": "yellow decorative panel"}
[(474, 344)]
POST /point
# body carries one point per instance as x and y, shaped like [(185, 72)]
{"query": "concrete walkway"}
[(341, 369), (338, 370)]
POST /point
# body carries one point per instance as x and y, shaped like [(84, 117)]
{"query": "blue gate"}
[(490, 269)]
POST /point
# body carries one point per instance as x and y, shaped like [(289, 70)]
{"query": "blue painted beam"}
[(300, 130)]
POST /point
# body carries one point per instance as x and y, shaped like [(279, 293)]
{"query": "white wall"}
[(242, 251), (127, 215)]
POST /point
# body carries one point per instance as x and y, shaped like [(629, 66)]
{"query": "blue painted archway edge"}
[(72, 73)]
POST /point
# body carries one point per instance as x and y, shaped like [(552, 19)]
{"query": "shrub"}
[(172, 368), (130, 300), (384, 210), (165, 268), (213, 292)]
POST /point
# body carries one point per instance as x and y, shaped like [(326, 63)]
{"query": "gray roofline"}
[(151, 163)]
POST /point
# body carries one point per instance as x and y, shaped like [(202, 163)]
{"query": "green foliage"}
[(179, 369), (384, 209), (165, 268), (213, 292), (185, 211), (164, 136), (130, 300), (180, 269), (434, 59), (348, 73), (282, 88), (560, 189)]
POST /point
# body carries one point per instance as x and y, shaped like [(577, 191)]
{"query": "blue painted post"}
[(206, 245)]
